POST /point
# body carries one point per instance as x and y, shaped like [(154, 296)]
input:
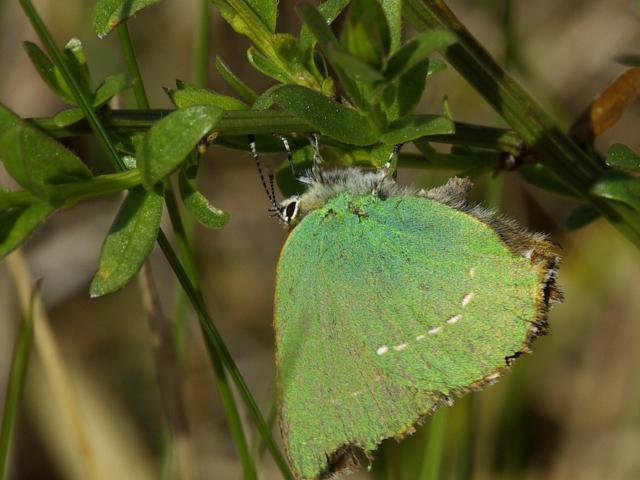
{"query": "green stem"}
[(556, 150), (83, 102), (68, 194), (212, 336), (132, 66), (15, 386), (273, 122), (228, 402), (435, 445), (214, 342), (201, 51)]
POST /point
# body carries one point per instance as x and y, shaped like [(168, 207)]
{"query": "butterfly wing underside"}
[(385, 309)]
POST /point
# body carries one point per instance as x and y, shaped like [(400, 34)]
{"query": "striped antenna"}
[(270, 193)]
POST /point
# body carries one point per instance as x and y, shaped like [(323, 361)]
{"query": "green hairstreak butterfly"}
[(391, 301)]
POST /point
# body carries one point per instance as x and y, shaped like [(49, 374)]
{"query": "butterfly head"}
[(287, 210)]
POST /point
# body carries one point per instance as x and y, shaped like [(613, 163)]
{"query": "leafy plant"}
[(358, 89)]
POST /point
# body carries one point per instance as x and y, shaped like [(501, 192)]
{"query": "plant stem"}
[(214, 342), (562, 156), (201, 51), (212, 336), (132, 66), (83, 102), (15, 385), (228, 402), (435, 445), (273, 122)]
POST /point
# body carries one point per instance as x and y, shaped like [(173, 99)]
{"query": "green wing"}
[(385, 309)]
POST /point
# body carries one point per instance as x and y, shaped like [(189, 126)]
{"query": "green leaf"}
[(327, 117), (620, 187), (246, 21), (401, 97), (416, 50), (353, 66), (68, 116), (540, 176), (17, 224), (108, 14), (111, 86), (129, 241), (415, 126), (581, 216), (205, 213), (622, 157), (328, 43), (49, 72), (328, 10), (76, 59), (266, 66), (365, 33), (393, 12), (267, 10), (33, 159), (190, 96), (234, 82), (316, 22), (169, 141)]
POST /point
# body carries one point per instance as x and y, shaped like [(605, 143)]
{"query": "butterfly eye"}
[(291, 210)]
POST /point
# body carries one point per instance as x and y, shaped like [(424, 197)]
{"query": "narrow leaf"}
[(317, 24), (266, 66), (620, 187), (49, 73), (416, 126), (416, 50), (169, 141), (540, 176), (17, 224), (33, 159), (353, 66), (581, 217), (190, 96), (108, 14), (76, 59), (267, 10), (15, 383), (622, 157), (402, 96), (393, 12), (327, 117), (68, 116), (328, 10), (205, 213), (365, 33), (234, 82), (129, 242), (111, 86)]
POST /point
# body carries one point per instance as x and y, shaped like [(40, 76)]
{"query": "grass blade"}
[(15, 385)]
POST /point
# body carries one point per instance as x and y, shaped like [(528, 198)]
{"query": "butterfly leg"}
[(316, 170), (386, 169)]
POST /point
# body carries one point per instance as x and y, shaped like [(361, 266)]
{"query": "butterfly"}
[(391, 301)]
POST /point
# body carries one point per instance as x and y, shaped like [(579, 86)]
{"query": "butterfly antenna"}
[(272, 187), (316, 170), (254, 155), (287, 147)]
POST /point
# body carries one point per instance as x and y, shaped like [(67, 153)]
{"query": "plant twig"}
[(556, 150)]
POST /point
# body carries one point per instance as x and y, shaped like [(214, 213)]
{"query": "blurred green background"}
[(570, 410)]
